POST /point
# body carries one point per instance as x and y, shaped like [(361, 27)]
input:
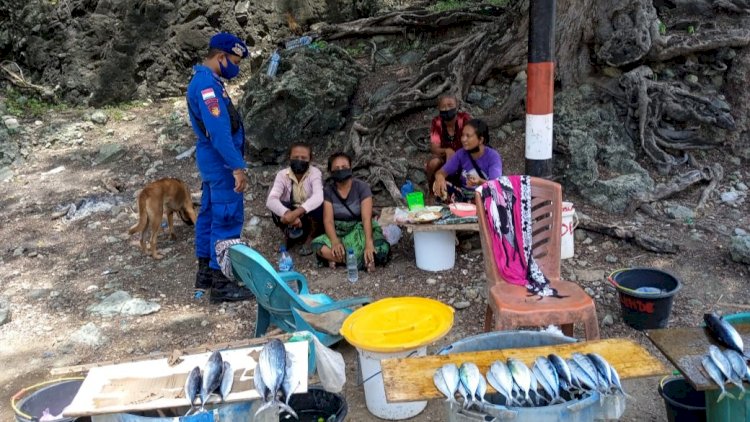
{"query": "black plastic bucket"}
[(317, 403), (683, 403), (55, 397), (645, 310)]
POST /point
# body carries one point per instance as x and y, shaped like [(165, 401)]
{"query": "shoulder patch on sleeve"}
[(208, 93)]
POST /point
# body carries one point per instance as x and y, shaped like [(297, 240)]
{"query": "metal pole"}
[(540, 88)]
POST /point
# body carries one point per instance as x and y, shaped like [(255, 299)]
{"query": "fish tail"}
[(285, 407), (264, 407)]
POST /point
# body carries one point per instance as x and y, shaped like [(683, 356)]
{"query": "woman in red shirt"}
[(445, 136)]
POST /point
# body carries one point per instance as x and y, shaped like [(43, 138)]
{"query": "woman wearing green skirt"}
[(347, 218)]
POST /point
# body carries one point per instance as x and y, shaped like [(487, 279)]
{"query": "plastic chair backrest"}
[(546, 215), (271, 292)]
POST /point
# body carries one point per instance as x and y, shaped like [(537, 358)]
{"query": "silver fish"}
[(724, 332), (602, 366), (501, 380), (737, 369), (481, 389), (446, 380), (588, 366), (521, 375), (193, 385), (721, 361), (469, 375), (738, 364), (562, 369), (615, 377), (547, 369), (227, 379), (537, 373), (464, 393), (585, 381), (286, 387), (272, 366), (211, 377), (716, 376)]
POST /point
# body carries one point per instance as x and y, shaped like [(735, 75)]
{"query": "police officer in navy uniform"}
[(219, 155)]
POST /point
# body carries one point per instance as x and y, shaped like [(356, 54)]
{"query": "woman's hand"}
[(369, 255), (338, 251), (440, 186), (474, 181)]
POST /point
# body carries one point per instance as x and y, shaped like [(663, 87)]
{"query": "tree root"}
[(17, 79), (645, 241)]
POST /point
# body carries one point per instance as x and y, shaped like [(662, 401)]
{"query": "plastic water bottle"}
[(299, 42), (274, 65), (352, 273), (285, 260), (407, 188)]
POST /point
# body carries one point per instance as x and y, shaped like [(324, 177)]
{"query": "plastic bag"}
[(392, 234), (330, 366)]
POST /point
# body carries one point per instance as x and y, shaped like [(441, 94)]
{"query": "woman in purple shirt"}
[(476, 162)]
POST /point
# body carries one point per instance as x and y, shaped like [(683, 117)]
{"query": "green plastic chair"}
[(280, 305)]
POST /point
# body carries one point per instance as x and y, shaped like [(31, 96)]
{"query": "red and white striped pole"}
[(540, 88)]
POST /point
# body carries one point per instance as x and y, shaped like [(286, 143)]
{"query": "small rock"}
[(729, 197), (580, 235), (111, 239), (611, 259), (472, 294), (99, 117), (11, 123), (590, 275), (461, 305), (739, 249), (679, 212), (204, 323), (4, 311), (740, 232), (92, 288), (695, 303), (19, 251), (693, 79), (410, 57), (109, 153), (254, 221), (431, 281), (608, 320), (89, 335), (741, 186), (5, 174), (54, 293), (474, 96), (588, 241), (589, 291), (520, 76)]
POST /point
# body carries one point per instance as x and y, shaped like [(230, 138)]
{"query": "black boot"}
[(203, 278), (225, 290)]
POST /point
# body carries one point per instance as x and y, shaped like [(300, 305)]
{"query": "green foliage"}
[(357, 50), (21, 105), (448, 5), (117, 112)]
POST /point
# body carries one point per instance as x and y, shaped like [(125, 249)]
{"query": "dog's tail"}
[(140, 226)]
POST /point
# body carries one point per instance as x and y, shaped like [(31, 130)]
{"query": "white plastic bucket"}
[(369, 363), (569, 224), (435, 251)]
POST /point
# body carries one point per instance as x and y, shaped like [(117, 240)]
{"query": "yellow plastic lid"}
[(397, 324)]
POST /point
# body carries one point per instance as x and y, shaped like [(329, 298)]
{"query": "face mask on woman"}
[(299, 166), (448, 115), (341, 175)]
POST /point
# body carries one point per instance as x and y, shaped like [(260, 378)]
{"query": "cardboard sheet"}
[(153, 384)]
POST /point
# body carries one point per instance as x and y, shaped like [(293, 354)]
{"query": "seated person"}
[(296, 199), (476, 161), (445, 136), (347, 218)]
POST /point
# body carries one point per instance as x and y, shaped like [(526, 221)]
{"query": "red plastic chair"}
[(509, 306)]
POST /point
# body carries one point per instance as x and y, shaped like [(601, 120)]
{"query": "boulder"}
[(107, 51), (739, 249), (309, 97)]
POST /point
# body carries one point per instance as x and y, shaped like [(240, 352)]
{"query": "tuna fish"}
[(481, 389), (193, 385), (211, 377), (469, 375), (615, 377), (727, 368), (446, 380), (501, 380), (602, 366), (562, 369), (536, 372), (738, 364), (521, 375), (716, 376), (725, 333), (583, 377), (588, 366), (271, 370), (227, 379), (547, 370)]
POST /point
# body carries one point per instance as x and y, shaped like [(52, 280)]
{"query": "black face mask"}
[(341, 175), (299, 166), (448, 115), (473, 150)]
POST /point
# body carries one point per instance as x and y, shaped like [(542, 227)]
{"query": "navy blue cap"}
[(228, 43)]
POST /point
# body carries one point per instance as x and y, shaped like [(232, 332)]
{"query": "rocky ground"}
[(75, 288)]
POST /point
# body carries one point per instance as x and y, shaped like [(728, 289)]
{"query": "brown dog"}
[(162, 196)]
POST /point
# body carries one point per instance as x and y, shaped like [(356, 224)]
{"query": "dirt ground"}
[(51, 269)]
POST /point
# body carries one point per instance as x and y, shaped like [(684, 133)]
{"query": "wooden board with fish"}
[(686, 347), (154, 384), (387, 217), (411, 379)]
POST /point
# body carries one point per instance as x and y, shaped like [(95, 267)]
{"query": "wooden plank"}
[(410, 379), (154, 384), (387, 216), (84, 368), (685, 348)]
